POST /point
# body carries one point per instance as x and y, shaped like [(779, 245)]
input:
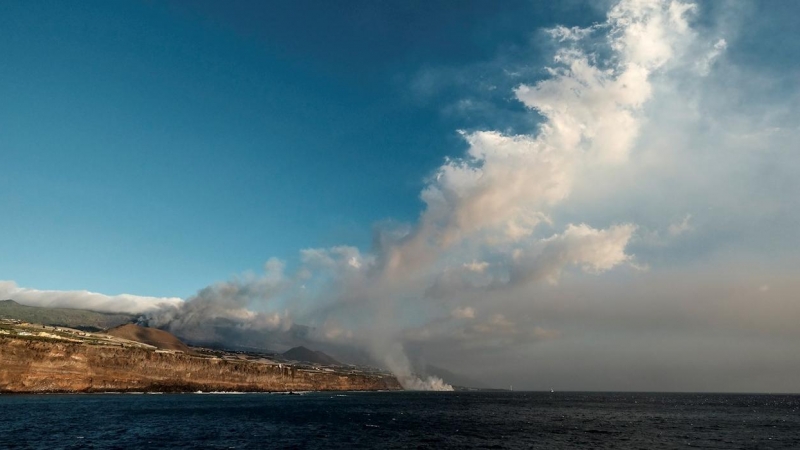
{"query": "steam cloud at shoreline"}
[(482, 229)]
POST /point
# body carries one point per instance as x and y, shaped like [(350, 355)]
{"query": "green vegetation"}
[(74, 318)]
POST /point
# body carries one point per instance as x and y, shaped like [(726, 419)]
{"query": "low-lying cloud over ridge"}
[(124, 303)]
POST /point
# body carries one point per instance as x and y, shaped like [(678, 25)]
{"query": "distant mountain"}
[(454, 379), (65, 317), (151, 336), (307, 355)]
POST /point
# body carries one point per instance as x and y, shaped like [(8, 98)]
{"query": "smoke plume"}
[(485, 223), (490, 222)]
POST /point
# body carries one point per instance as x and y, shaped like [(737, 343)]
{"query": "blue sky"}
[(150, 147), (568, 188)]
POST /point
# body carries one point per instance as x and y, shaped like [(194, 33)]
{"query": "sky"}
[(576, 195)]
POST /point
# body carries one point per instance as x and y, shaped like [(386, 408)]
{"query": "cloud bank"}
[(125, 303)]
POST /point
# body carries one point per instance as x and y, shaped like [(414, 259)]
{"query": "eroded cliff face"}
[(48, 366)]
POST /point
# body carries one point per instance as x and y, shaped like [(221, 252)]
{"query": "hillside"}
[(307, 355), (151, 336), (65, 317)]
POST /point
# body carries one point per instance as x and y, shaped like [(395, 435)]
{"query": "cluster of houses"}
[(20, 328)]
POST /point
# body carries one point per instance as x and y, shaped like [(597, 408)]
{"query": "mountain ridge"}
[(152, 336), (304, 354), (83, 319)]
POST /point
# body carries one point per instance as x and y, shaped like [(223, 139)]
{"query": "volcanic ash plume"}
[(488, 225)]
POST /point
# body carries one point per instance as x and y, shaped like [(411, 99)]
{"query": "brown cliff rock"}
[(30, 365)]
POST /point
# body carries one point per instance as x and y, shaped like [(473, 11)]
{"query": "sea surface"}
[(401, 420)]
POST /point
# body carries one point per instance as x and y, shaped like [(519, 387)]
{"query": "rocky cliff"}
[(33, 365)]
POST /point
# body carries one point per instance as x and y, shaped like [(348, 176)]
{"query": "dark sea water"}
[(401, 420)]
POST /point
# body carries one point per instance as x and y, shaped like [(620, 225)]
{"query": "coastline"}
[(43, 366)]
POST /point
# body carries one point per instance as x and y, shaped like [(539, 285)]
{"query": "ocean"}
[(493, 420)]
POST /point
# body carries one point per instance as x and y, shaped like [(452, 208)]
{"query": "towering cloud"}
[(485, 225)]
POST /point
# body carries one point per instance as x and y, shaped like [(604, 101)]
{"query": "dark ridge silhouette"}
[(151, 336)]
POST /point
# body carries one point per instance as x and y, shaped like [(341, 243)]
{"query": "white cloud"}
[(475, 266), (465, 312), (507, 185), (681, 227), (561, 33), (591, 249), (125, 303), (704, 65)]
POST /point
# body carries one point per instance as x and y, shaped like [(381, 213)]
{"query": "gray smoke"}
[(487, 223)]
